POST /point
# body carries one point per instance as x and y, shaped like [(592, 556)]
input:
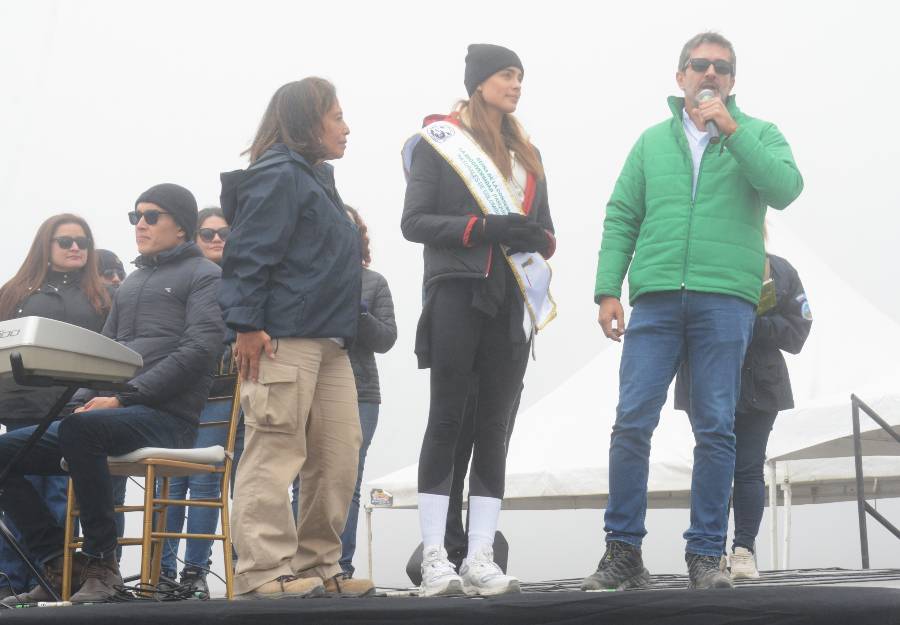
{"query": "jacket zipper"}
[(687, 251)]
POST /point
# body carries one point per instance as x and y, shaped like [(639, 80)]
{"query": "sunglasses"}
[(65, 243), (723, 68), (208, 234), (110, 273), (150, 217)]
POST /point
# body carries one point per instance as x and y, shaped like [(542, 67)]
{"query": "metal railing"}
[(862, 505)]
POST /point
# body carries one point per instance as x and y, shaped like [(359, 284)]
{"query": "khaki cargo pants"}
[(301, 417)]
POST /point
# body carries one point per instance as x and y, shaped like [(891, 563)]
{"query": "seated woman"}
[(58, 280)]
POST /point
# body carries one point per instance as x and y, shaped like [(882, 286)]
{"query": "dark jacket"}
[(377, 334), (293, 261), (438, 210), (765, 383), (59, 298), (166, 311)]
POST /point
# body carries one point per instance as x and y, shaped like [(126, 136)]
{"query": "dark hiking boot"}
[(195, 578), (620, 568), (706, 572), (53, 574), (100, 578)]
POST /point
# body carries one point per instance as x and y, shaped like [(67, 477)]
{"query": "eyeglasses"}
[(150, 216), (208, 234), (65, 243), (723, 68)]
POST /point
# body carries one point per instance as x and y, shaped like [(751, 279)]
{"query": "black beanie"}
[(178, 201), (484, 60), (108, 261)]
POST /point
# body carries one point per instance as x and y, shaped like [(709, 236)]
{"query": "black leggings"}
[(465, 342)]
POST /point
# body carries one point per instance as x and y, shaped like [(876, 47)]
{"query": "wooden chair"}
[(154, 464)]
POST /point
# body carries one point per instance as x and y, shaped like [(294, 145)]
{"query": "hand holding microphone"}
[(713, 112)]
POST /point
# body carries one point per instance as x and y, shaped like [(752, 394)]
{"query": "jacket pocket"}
[(273, 403)]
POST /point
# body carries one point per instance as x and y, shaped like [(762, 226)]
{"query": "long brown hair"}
[(499, 142), (363, 234), (33, 271), (294, 117)]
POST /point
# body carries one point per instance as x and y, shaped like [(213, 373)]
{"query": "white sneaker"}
[(482, 576), (439, 578), (743, 564)]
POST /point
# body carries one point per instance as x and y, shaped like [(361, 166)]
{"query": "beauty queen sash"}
[(489, 188)]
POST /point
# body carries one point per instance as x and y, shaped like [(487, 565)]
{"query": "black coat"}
[(167, 312), (293, 262), (437, 211), (377, 334), (59, 298), (765, 383)]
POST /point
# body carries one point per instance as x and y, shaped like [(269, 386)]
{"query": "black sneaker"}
[(706, 572), (195, 578), (620, 568)]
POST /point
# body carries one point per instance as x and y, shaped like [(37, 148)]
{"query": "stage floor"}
[(779, 597)]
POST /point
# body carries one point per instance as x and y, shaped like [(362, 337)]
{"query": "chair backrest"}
[(226, 387)]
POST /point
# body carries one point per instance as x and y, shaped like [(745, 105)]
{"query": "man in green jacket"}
[(687, 215)]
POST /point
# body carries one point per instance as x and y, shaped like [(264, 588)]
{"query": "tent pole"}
[(773, 515), (786, 489), (369, 536)]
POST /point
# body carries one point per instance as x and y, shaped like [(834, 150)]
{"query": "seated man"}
[(167, 311)]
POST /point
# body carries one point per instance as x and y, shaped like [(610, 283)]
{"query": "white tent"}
[(558, 457), (559, 450)]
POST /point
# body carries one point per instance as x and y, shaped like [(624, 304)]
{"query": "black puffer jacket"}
[(765, 383), (59, 298), (377, 334), (438, 210), (167, 311)]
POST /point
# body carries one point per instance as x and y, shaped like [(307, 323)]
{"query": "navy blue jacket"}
[(765, 383), (292, 265)]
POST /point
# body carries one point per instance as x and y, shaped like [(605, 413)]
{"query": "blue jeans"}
[(712, 331), (752, 432), (86, 440), (368, 421), (53, 489), (203, 486)]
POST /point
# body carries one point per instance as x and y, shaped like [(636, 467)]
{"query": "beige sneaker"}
[(286, 586), (743, 564), (343, 584)]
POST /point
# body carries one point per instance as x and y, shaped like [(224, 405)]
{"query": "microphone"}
[(711, 128)]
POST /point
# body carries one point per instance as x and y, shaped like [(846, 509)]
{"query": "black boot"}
[(706, 572), (195, 577), (620, 568)]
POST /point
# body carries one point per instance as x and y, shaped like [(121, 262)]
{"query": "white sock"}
[(484, 513), (433, 518)]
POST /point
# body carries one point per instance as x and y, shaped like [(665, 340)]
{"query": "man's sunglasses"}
[(208, 234), (150, 216), (723, 68), (65, 243)]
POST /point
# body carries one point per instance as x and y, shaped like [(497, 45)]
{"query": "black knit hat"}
[(178, 201), (108, 261), (484, 60)]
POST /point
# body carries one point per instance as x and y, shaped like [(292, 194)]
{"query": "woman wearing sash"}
[(476, 194)]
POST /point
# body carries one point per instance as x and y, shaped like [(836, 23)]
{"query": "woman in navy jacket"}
[(291, 292)]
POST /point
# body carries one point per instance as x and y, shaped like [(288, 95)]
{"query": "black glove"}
[(530, 237), (496, 228)]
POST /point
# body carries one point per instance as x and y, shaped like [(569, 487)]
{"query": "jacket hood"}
[(676, 104), (182, 250), (276, 155)]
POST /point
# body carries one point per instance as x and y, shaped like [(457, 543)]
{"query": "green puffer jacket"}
[(712, 244)]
